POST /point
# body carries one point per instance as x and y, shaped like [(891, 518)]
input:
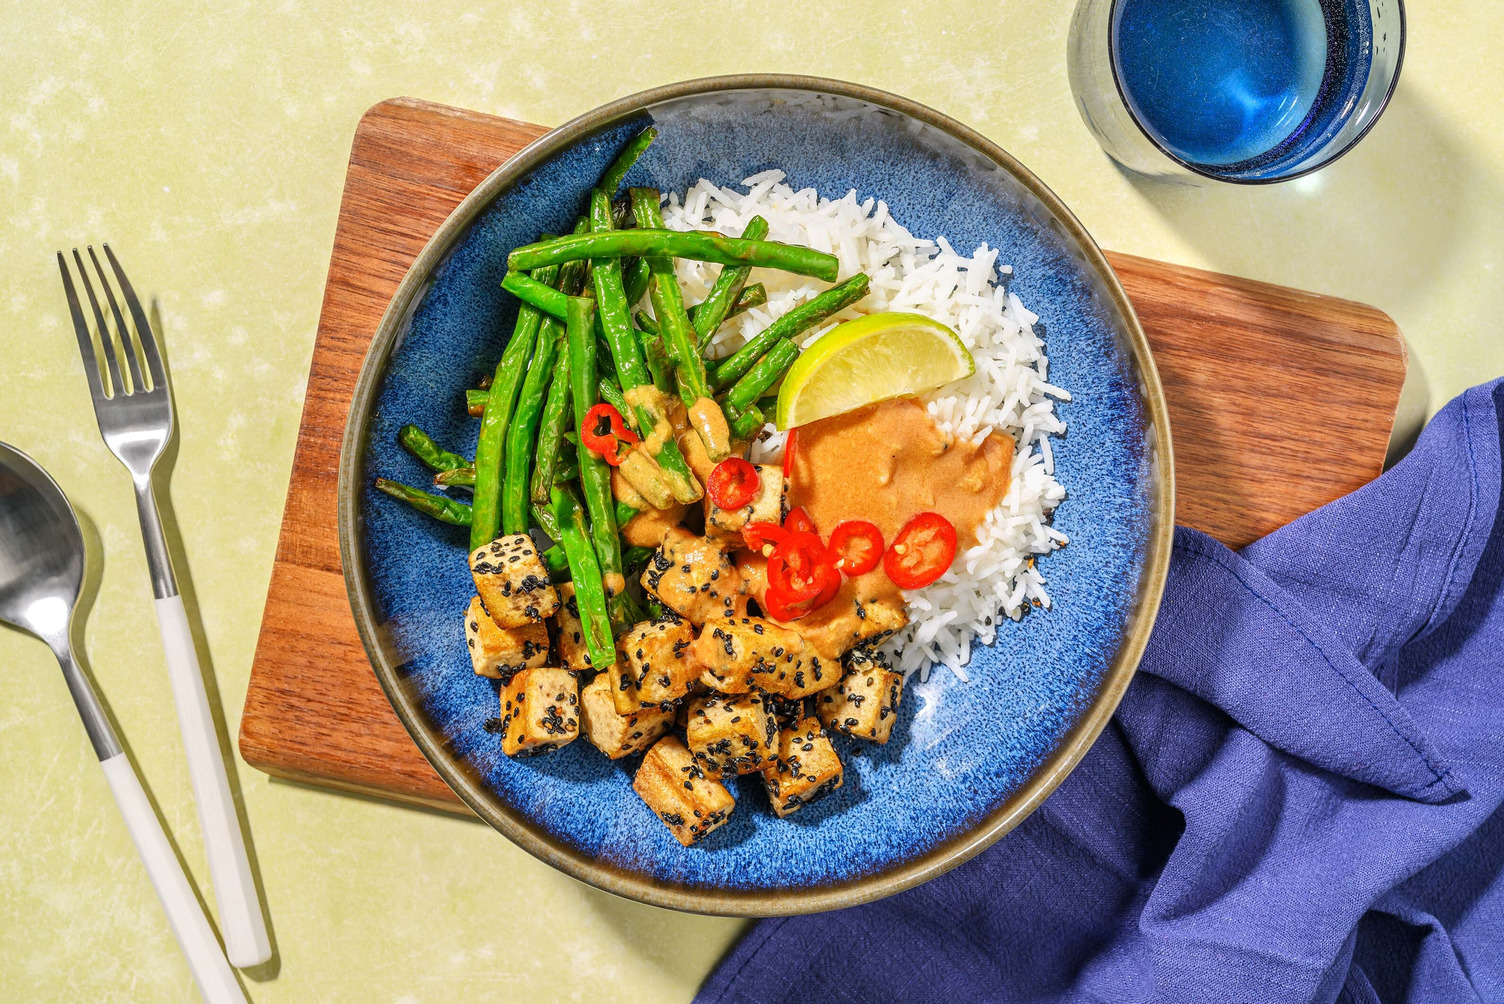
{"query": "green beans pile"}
[(581, 338)]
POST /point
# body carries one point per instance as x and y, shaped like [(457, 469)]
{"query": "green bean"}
[(557, 563), (551, 428), (584, 567), (790, 325), (624, 512), (543, 516), (425, 449), (442, 509), (754, 295), (611, 180), (634, 278), (763, 374), (521, 437), (680, 339), (475, 400), (456, 477), (595, 474), (490, 448), (541, 295), (744, 424), (717, 304), (611, 394), (611, 303), (660, 364), (694, 244)]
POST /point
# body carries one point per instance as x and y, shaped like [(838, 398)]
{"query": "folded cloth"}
[(1298, 799)]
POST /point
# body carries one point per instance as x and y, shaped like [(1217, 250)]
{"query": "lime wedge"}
[(870, 359)]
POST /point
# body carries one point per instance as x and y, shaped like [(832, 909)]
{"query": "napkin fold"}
[(1298, 799)]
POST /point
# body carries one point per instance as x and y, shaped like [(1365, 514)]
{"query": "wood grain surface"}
[(1279, 401)]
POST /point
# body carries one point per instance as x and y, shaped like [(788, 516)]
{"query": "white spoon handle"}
[(240, 917), (210, 970)]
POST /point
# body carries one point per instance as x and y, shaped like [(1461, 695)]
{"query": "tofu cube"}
[(657, 655), (785, 711), (679, 793), (864, 705), (693, 577), (615, 734), (512, 582), (501, 652), (747, 653), (766, 507), (569, 633), (619, 677), (540, 710), (731, 734), (807, 767)]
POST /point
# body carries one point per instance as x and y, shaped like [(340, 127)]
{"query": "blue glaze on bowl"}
[(960, 750)]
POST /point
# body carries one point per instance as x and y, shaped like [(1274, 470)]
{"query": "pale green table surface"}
[(209, 146)]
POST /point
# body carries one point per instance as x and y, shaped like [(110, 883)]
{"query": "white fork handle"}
[(210, 970), (240, 917)]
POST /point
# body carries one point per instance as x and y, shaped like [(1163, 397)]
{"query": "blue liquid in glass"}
[(1232, 85)]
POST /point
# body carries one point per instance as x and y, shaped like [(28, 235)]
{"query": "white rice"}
[(1009, 393)]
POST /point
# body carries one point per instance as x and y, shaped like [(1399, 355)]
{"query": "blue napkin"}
[(1298, 799)]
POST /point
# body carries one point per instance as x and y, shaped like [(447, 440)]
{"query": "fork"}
[(136, 421)]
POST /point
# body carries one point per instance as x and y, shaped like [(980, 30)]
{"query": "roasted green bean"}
[(790, 325), (636, 146), (590, 591), (694, 244), (440, 508), (420, 445), (716, 306), (763, 374), (521, 441)]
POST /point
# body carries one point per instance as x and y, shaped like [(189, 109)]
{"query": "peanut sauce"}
[(888, 462)]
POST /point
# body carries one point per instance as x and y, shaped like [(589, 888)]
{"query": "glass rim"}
[(1383, 106)]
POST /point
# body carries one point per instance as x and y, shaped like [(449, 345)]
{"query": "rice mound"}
[(1009, 393)]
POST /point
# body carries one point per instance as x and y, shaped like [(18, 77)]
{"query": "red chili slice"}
[(789, 443), (799, 566), (831, 587), (733, 483), (779, 605), (798, 521), (778, 608), (857, 546), (760, 536), (921, 552), (603, 432)]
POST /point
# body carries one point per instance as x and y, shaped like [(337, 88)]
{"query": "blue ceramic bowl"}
[(967, 761)]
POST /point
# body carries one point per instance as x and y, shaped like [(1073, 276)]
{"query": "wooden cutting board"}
[(1244, 365)]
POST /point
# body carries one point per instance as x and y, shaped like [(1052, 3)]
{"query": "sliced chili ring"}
[(780, 609), (798, 567), (921, 552), (762, 537), (798, 521), (603, 432), (733, 483), (831, 587), (789, 443), (857, 546)]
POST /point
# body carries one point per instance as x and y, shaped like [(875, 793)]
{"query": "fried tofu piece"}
[(569, 632), (657, 655), (540, 710), (693, 577), (807, 767), (615, 734), (512, 582), (502, 652), (623, 683), (679, 793), (732, 734), (746, 653), (647, 528), (864, 705), (766, 507)]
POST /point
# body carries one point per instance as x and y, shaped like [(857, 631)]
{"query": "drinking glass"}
[(1243, 91)]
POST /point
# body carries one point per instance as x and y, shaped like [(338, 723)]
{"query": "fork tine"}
[(126, 346), (143, 326), (117, 385), (81, 329)]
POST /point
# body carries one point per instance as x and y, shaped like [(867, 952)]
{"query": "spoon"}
[(42, 561)]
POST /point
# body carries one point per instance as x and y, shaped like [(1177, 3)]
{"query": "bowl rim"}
[(749, 902)]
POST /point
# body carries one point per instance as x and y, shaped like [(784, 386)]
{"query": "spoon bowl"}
[(42, 556)]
